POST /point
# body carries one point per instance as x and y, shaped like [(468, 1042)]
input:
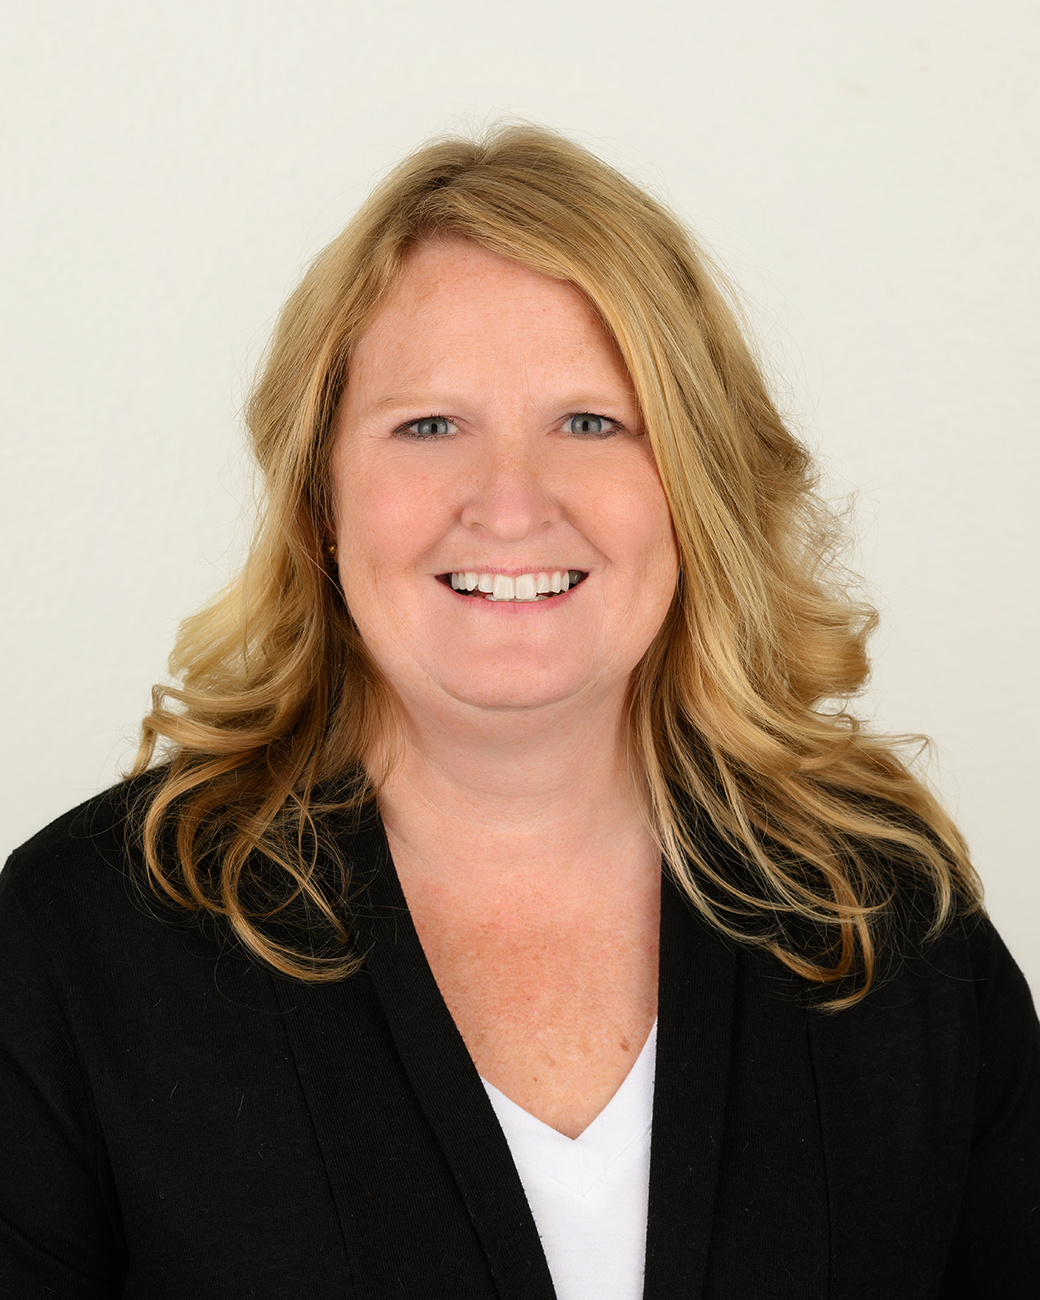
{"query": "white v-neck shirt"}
[(588, 1194)]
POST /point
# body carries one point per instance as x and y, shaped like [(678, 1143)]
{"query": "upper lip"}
[(511, 571)]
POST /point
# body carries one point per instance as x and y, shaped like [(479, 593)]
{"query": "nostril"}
[(510, 507)]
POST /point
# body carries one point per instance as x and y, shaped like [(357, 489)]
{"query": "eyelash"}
[(615, 425), (408, 430)]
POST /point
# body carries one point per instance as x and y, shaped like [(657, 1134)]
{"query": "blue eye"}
[(430, 426), (589, 425)]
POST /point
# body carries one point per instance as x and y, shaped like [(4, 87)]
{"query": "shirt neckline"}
[(580, 1162)]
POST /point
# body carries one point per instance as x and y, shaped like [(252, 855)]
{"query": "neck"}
[(547, 792)]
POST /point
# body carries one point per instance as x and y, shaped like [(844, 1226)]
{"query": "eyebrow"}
[(406, 399), (402, 398)]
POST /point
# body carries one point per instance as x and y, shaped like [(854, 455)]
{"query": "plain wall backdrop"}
[(866, 173)]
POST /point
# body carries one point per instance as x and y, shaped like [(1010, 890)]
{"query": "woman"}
[(537, 606)]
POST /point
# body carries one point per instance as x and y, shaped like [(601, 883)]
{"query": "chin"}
[(513, 689), (514, 702)]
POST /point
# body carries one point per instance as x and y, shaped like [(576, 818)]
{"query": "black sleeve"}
[(59, 1225), (996, 1246)]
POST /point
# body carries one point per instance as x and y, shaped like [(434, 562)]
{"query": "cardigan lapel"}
[(449, 1091), (406, 1230), (428, 1199), (695, 1015)]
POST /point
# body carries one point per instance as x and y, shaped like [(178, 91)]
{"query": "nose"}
[(510, 497)]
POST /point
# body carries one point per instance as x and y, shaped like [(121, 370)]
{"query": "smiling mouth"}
[(524, 587)]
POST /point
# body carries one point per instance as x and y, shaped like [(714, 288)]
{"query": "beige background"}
[(868, 173)]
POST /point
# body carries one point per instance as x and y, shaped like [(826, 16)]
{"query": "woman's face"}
[(489, 428)]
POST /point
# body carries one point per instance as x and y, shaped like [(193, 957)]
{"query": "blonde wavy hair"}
[(783, 819)]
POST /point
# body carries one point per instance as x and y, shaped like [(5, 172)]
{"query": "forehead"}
[(456, 300), (446, 267)]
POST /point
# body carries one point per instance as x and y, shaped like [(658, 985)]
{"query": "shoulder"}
[(949, 1019), (75, 901), (78, 895), (963, 961), (86, 852), (953, 973)]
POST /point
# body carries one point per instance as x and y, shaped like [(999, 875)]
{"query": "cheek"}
[(385, 521), (660, 534), (362, 528), (634, 521)]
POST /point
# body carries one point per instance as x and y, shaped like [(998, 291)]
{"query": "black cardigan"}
[(178, 1121)]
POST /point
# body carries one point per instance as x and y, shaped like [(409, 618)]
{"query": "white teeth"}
[(526, 587)]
